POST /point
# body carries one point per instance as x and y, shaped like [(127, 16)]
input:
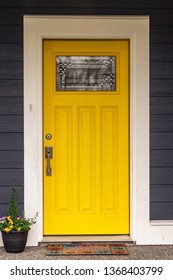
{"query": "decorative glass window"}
[(86, 73)]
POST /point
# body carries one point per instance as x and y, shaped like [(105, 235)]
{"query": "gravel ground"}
[(162, 252)]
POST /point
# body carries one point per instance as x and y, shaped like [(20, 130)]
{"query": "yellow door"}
[(86, 123)]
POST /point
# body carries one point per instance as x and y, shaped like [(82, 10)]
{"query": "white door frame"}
[(136, 29)]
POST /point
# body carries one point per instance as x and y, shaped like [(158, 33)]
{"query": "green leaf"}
[(13, 208)]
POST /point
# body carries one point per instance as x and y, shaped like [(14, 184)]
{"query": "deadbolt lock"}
[(48, 136)]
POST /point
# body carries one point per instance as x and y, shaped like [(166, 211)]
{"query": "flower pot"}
[(14, 241)]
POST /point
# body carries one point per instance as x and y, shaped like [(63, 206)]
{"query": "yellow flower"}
[(11, 226), (7, 229), (10, 220)]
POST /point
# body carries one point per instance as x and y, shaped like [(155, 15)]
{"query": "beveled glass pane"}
[(86, 73)]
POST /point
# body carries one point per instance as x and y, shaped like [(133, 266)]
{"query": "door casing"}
[(136, 29)]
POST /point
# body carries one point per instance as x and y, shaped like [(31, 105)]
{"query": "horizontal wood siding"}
[(161, 110), (88, 4), (161, 88), (11, 106)]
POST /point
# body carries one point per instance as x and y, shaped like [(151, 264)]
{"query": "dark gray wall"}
[(161, 85)]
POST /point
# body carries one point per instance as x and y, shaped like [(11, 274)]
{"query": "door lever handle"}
[(48, 156)]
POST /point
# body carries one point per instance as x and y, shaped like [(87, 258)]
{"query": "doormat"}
[(86, 248)]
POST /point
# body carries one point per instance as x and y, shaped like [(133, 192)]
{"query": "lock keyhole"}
[(48, 136)]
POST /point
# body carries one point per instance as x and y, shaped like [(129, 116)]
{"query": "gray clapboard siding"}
[(162, 141), (11, 52), (14, 16), (89, 3), (161, 16), (161, 211), (11, 123), (11, 88), (161, 87), (161, 201), (163, 70), (161, 123), (11, 34), (11, 16), (11, 159), (161, 187), (11, 177), (161, 194), (161, 176), (11, 106), (161, 158), (161, 34), (11, 70), (161, 105), (11, 141), (161, 52)]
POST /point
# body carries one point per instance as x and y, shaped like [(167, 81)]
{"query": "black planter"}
[(14, 241)]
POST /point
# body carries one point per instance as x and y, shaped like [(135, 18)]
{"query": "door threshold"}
[(84, 238)]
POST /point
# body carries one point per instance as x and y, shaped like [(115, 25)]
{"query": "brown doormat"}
[(86, 248)]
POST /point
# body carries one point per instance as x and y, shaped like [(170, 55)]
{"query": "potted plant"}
[(15, 226)]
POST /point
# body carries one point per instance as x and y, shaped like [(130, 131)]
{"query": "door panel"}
[(88, 192)]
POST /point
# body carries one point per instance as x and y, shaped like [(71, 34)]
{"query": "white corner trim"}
[(161, 223), (136, 29)]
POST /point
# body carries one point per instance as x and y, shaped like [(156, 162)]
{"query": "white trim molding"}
[(136, 29)]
